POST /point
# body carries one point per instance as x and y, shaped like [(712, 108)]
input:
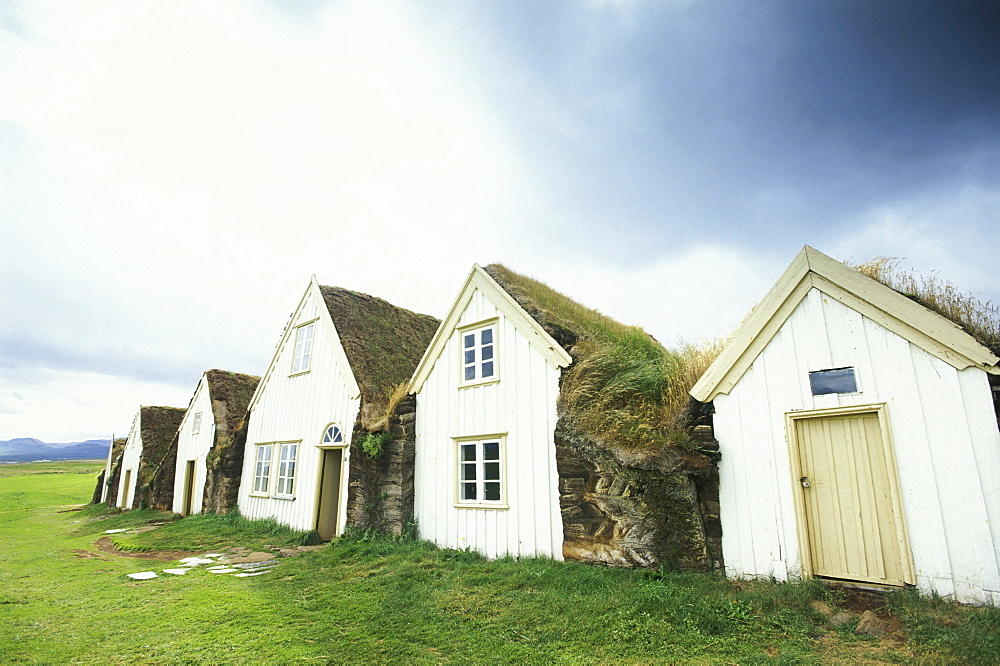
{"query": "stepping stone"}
[(195, 561), (253, 557), (123, 529), (256, 565), (176, 572), (306, 549), (247, 574), (223, 570), (213, 554), (142, 575)]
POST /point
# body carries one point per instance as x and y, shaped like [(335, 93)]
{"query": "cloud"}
[(71, 406)]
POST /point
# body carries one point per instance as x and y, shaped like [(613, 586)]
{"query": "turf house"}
[(329, 433), (542, 429), (208, 456), (149, 441), (107, 482), (858, 439)]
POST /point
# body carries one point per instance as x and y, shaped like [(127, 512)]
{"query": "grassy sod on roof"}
[(383, 343), (980, 319), (624, 388)]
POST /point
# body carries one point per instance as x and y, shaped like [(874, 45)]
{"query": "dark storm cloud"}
[(750, 121)]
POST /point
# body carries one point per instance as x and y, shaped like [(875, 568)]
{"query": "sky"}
[(172, 174)]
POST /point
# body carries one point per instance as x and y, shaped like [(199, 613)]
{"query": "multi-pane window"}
[(196, 425), (479, 354), (286, 469), (333, 435), (262, 468), (479, 472), (303, 347)]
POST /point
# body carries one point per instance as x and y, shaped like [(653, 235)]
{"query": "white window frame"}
[(477, 351), (481, 477), (262, 469), (333, 443), (302, 347), (287, 459), (196, 423)]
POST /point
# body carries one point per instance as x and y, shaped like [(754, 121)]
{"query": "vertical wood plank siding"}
[(521, 404), (947, 449), (131, 456), (195, 447), (299, 408)]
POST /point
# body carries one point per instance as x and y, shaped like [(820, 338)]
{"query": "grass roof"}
[(624, 389), (383, 342), (158, 429), (979, 319), (234, 391)]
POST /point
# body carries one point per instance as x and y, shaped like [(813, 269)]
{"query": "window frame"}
[(283, 474), (479, 440), (333, 444), (273, 462), (258, 460), (298, 367), (196, 423), (477, 329)]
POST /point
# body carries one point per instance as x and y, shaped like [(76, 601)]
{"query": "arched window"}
[(333, 436)]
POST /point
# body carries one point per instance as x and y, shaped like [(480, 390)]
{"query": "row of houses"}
[(845, 432)]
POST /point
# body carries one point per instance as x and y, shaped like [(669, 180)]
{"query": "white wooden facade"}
[(195, 439), (922, 379), (298, 406), (107, 471), (515, 406), (131, 456)]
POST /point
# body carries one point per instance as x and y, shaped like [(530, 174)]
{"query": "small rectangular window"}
[(480, 472), (479, 354), (196, 424), (835, 380), (262, 469), (303, 348), (286, 469)]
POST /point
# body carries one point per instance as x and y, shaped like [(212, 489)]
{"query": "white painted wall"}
[(522, 404), (107, 471), (298, 409), (130, 461), (943, 428), (194, 446)]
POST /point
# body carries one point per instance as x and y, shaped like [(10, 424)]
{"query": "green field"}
[(372, 600)]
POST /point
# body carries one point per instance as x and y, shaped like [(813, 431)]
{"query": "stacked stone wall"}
[(658, 512), (380, 493), (225, 463)]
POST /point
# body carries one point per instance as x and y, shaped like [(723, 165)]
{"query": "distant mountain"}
[(29, 448)]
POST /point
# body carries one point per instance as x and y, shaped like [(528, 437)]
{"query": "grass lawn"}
[(378, 600)]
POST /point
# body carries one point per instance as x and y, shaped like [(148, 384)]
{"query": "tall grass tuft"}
[(980, 319), (623, 388)]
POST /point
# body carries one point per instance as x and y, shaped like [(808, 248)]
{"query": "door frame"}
[(880, 410), (320, 466)]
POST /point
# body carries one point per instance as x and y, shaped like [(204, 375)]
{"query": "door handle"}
[(805, 482)]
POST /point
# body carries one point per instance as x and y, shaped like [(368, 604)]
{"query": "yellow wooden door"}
[(852, 514)]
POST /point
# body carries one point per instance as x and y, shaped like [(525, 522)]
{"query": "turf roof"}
[(234, 391), (158, 427), (618, 389), (383, 342)]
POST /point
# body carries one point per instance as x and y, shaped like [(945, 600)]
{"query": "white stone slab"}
[(176, 572), (195, 561), (223, 570), (123, 529), (247, 575), (213, 554), (142, 575)]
